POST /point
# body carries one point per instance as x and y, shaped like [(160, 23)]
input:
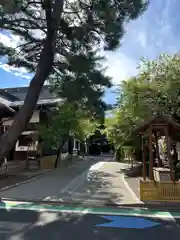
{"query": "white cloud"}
[(18, 72), (9, 40), (120, 67), (142, 39), (38, 34), (5, 67), (9, 68)]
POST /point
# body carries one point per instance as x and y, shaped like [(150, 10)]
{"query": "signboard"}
[(22, 148)]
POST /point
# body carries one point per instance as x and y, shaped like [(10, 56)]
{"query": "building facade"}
[(11, 100)]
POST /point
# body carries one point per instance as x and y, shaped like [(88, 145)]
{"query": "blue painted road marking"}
[(128, 222)]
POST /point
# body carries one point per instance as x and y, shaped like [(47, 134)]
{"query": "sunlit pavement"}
[(34, 221), (97, 181)]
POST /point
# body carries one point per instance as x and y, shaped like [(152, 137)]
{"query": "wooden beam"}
[(150, 154)]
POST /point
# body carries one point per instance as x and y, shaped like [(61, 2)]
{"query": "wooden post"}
[(143, 149), (169, 155), (150, 154), (144, 163)]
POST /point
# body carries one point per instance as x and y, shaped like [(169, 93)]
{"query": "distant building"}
[(11, 100)]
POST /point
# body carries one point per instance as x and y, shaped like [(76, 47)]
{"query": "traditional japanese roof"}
[(16, 96), (20, 93), (40, 102), (5, 109), (158, 121)]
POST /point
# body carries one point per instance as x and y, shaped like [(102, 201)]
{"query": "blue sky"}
[(153, 33)]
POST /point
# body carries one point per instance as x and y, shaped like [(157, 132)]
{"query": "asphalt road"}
[(96, 181), (16, 224)]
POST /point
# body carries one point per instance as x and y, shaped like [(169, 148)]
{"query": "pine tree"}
[(56, 34)]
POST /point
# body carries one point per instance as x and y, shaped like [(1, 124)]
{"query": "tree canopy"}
[(154, 91), (55, 38), (67, 122)]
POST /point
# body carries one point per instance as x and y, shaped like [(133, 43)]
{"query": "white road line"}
[(96, 166), (130, 190), (72, 182), (76, 182)]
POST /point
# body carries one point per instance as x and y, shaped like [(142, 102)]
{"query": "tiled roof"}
[(40, 102), (7, 96), (20, 93)]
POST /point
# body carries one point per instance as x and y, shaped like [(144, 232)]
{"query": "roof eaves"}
[(40, 102)]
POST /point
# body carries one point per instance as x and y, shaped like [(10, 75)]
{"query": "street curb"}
[(103, 210), (144, 207), (26, 181), (134, 196), (115, 205)]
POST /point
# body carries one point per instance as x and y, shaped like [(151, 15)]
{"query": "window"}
[(6, 128), (77, 145)]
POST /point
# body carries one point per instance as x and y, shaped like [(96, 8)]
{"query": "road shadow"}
[(30, 225), (100, 178), (102, 185), (97, 190)]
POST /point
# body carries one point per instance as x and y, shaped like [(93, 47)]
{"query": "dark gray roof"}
[(7, 96), (19, 93), (39, 103), (5, 109)]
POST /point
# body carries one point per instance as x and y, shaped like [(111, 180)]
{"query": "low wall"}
[(48, 162)]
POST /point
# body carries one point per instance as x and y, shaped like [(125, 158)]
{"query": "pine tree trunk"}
[(10, 137), (44, 68)]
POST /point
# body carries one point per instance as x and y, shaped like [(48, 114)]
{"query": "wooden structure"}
[(151, 189)]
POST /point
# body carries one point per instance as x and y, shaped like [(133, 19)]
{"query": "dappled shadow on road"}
[(104, 186), (98, 189), (30, 225), (100, 178)]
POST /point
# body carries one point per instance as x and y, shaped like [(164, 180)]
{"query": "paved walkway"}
[(102, 184), (95, 181)]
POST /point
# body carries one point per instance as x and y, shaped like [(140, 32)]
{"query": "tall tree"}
[(51, 33), (67, 122), (10, 6), (155, 90), (63, 125)]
